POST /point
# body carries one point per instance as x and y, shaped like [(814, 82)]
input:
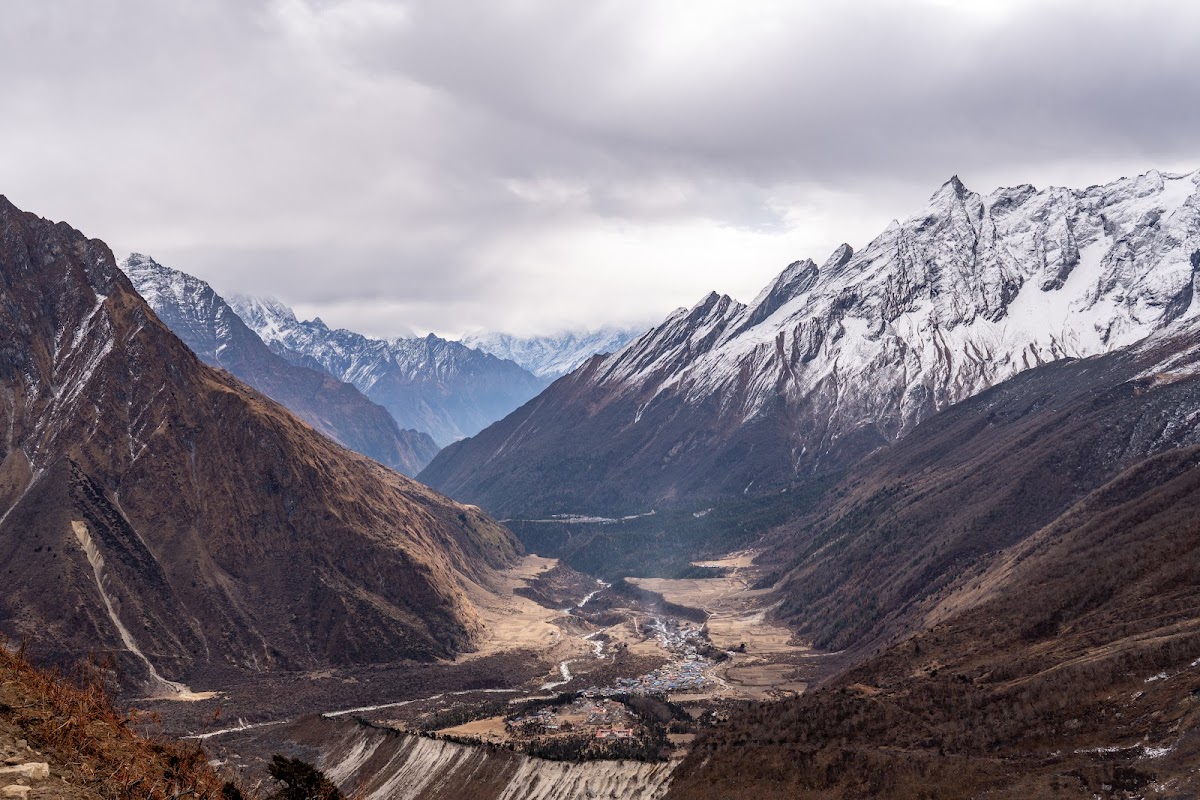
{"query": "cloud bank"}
[(529, 165)]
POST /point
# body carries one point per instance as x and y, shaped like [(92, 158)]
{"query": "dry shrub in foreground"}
[(74, 719)]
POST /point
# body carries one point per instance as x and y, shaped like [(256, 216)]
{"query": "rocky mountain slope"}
[(832, 361), (553, 356), (984, 475), (443, 388), (1019, 579), (159, 511), (206, 324)]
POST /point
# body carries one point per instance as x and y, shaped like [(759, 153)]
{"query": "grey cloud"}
[(499, 164), (827, 92)]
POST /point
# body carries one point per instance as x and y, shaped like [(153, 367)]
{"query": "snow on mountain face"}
[(555, 355), (444, 388), (967, 293), (188, 305), (842, 357)]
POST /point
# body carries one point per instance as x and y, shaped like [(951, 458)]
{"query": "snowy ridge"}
[(187, 304), (555, 355), (445, 388), (964, 294), (834, 360)]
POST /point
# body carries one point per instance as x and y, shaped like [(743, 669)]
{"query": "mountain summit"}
[(831, 362)]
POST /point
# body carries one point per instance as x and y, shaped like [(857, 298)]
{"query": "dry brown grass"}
[(74, 720)]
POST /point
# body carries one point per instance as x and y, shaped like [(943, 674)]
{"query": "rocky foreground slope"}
[(206, 323), (157, 510), (834, 360), (64, 739)]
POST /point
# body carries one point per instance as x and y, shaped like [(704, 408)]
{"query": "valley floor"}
[(765, 662), (569, 668)]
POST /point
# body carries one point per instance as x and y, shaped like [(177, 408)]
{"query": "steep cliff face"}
[(207, 324), (430, 384), (158, 509), (831, 361)]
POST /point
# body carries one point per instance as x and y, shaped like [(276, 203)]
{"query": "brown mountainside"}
[(152, 504), (979, 477), (1020, 579), (1067, 670)]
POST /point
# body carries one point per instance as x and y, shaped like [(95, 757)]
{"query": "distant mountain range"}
[(340, 381), (445, 388), (553, 356), (214, 332), (158, 510), (832, 361)]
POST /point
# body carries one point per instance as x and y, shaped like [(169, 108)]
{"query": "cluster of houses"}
[(609, 719), (678, 637), (688, 675), (540, 721), (601, 712), (614, 733)]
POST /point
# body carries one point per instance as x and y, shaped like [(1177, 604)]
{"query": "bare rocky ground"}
[(27, 774)]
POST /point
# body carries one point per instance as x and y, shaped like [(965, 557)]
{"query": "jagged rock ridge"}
[(831, 361), (211, 328)]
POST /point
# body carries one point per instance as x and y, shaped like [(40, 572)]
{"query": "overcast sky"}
[(529, 165)]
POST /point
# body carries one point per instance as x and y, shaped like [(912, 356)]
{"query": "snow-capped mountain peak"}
[(444, 388), (967, 292), (215, 333), (268, 317)]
